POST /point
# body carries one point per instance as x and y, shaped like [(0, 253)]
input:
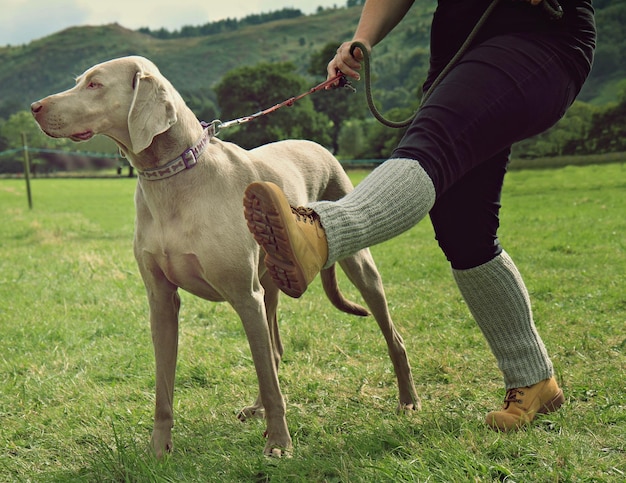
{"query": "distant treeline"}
[(226, 25), (232, 24)]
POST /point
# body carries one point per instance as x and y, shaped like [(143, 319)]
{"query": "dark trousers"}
[(504, 89)]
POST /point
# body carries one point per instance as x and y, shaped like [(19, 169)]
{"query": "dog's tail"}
[(331, 287)]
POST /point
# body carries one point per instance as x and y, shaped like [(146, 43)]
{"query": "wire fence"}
[(60, 151), (46, 161)]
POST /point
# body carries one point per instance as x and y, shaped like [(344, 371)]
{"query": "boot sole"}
[(267, 224)]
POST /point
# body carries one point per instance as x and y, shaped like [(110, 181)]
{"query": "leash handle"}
[(442, 74), (368, 90), (358, 45)]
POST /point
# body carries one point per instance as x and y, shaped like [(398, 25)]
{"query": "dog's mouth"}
[(82, 136)]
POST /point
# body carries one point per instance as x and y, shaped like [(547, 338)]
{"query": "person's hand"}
[(345, 62), (534, 2)]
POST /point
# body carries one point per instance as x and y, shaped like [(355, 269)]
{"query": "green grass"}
[(76, 364)]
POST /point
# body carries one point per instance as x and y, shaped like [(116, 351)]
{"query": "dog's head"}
[(126, 99)]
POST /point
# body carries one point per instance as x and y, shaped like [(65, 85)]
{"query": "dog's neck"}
[(181, 136)]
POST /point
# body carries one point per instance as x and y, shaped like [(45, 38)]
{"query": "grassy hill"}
[(195, 64)]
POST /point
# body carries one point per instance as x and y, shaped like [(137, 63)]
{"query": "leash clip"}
[(344, 82), (215, 126)]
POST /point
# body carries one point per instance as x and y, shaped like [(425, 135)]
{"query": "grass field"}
[(76, 363)]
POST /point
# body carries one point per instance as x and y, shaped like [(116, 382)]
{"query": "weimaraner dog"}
[(190, 230)]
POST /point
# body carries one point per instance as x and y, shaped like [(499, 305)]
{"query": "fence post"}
[(27, 171)]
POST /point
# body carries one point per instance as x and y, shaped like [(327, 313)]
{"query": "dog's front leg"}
[(256, 410), (254, 318), (164, 307), (164, 327)]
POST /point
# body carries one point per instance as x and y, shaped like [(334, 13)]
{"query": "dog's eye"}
[(94, 85)]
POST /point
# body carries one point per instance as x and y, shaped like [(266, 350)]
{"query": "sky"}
[(24, 20)]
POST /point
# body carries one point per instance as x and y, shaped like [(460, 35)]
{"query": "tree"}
[(608, 129), (621, 91), (4, 145), (23, 122), (11, 134), (607, 59), (247, 90), (574, 129), (352, 141), (202, 106)]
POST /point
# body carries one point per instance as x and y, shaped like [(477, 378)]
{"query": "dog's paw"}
[(161, 444), (250, 412), (274, 451), (409, 408)]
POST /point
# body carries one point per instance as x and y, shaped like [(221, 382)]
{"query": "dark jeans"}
[(505, 89)]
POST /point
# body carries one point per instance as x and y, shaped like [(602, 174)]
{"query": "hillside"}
[(196, 64), (192, 64)]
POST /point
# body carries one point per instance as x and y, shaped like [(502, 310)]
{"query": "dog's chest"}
[(185, 271), (197, 248), (177, 255)]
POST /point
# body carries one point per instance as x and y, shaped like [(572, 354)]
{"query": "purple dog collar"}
[(185, 161)]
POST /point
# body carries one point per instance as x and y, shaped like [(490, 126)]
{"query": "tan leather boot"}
[(523, 403), (293, 238)]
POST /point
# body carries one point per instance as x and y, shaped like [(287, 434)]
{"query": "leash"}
[(343, 82), (551, 7)]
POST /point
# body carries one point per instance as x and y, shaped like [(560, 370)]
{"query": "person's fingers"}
[(345, 63)]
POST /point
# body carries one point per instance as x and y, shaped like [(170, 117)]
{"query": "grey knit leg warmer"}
[(392, 199), (498, 300)]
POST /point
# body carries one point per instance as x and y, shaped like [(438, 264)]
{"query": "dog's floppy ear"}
[(152, 110)]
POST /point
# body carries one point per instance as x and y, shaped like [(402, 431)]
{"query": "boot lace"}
[(305, 215), (511, 397)]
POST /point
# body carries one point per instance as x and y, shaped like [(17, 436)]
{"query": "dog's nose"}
[(36, 107)]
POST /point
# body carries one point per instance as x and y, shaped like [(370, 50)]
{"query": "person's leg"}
[(502, 90), (393, 198), (498, 300), (466, 220)]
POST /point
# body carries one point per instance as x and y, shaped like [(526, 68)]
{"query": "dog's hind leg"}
[(362, 272)]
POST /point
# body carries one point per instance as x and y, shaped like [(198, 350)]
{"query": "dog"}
[(190, 231)]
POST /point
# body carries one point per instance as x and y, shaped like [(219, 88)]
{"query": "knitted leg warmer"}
[(392, 199), (498, 300)]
